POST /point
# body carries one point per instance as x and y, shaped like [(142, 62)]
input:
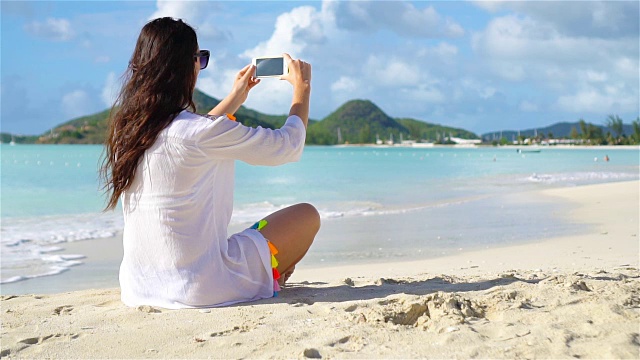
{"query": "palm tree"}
[(595, 134), (636, 129), (614, 122), (584, 130), (574, 133)]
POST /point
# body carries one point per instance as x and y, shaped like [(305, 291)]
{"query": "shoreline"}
[(102, 257), (574, 296), (486, 146)]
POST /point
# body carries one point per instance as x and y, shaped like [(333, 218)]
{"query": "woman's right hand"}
[(299, 74)]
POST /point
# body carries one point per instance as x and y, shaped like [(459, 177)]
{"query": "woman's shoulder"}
[(187, 115), (187, 125), (191, 120), (192, 126), (204, 119)]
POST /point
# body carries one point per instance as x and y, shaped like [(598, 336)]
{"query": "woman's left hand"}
[(244, 83)]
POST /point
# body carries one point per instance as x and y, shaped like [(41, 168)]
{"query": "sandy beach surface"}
[(571, 297)]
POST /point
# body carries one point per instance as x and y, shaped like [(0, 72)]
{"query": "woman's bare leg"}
[(292, 231)]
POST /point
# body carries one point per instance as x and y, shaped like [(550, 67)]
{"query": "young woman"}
[(173, 171)]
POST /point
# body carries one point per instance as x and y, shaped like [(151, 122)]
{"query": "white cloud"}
[(520, 48), (76, 103), (527, 106), (294, 31), (445, 50), (345, 83), (477, 88), (424, 93), (598, 100), (511, 37), (51, 29), (596, 76), (487, 92), (186, 10), (601, 19), (110, 90), (453, 29), (490, 5), (199, 14), (391, 71), (403, 18), (581, 74), (627, 67)]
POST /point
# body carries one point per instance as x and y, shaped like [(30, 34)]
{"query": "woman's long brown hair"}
[(158, 85)]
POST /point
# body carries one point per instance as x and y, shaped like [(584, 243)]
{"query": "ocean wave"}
[(250, 213), (28, 244), (51, 265), (575, 178)]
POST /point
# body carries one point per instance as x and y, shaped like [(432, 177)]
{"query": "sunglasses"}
[(203, 56)]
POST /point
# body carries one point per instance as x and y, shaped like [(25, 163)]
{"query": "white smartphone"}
[(270, 66)]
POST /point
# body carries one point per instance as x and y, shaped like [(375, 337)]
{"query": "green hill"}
[(358, 122), (362, 122)]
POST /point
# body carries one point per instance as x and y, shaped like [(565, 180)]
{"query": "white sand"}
[(576, 296)]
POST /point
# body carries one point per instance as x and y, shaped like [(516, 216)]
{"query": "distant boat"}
[(13, 141), (530, 151)]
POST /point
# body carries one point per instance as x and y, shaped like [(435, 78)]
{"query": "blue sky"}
[(482, 66)]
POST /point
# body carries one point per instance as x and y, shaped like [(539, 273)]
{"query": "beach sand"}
[(576, 296)]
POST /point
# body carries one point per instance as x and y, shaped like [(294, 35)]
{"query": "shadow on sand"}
[(310, 293)]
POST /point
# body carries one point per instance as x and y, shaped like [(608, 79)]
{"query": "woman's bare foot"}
[(284, 277)]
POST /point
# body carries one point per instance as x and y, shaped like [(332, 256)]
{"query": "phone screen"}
[(269, 66)]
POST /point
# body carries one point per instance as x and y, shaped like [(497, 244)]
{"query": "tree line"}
[(615, 134), (612, 132)]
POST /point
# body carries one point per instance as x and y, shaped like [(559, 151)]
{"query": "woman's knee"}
[(310, 215)]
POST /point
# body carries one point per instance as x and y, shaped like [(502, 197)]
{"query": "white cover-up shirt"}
[(176, 250)]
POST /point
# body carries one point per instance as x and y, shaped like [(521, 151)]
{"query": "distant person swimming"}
[(173, 171)]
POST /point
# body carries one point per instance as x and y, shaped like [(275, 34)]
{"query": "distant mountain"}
[(558, 130), (361, 121), (358, 121)]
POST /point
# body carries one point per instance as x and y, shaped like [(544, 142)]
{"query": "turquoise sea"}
[(377, 203)]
